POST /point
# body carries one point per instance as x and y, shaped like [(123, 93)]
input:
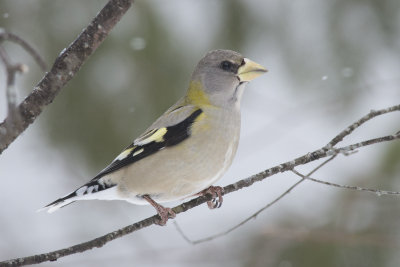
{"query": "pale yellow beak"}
[(250, 70)]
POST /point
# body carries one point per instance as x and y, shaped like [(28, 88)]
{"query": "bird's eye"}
[(226, 65)]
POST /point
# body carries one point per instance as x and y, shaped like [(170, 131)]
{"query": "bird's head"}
[(221, 75)]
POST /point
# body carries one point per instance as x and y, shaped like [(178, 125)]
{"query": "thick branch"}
[(101, 241), (64, 68)]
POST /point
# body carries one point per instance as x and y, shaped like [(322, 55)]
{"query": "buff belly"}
[(173, 174)]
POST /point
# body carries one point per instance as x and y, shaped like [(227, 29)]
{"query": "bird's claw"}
[(216, 192), (165, 214)]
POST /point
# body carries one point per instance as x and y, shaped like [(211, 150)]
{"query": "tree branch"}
[(11, 94), (8, 36), (309, 157), (355, 125), (253, 216), (378, 192), (64, 68), (344, 150), (15, 121)]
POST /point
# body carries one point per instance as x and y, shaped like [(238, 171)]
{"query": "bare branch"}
[(355, 125), (15, 121), (378, 192), (11, 94), (102, 240), (8, 36), (309, 157), (212, 237), (11, 72), (64, 68), (343, 150), (353, 147)]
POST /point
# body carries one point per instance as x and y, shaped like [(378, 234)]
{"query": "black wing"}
[(151, 142)]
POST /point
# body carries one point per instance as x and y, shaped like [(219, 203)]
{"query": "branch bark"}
[(8, 36), (309, 157), (64, 68), (15, 121), (254, 215), (377, 192)]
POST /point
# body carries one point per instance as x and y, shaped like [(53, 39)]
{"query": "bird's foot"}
[(163, 212), (216, 192)]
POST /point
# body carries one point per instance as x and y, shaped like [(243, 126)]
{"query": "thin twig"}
[(353, 147), (309, 157), (8, 36), (15, 121), (356, 188), (320, 153), (102, 240), (253, 216), (355, 125), (11, 92), (343, 150), (64, 68)]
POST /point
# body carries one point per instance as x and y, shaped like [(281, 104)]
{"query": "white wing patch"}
[(138, 152), (156, 135), (81, 190), (124, 154)]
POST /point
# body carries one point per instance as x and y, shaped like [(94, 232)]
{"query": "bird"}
[(187, 149)]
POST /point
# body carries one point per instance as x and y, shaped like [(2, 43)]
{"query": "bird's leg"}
[(163, 212), (216, 192)]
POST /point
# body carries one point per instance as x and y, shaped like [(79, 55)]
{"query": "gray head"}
[(223, 75)]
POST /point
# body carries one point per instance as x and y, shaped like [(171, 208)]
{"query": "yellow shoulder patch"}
[(196, 95)]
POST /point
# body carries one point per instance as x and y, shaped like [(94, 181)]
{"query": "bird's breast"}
[(191, 166)]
